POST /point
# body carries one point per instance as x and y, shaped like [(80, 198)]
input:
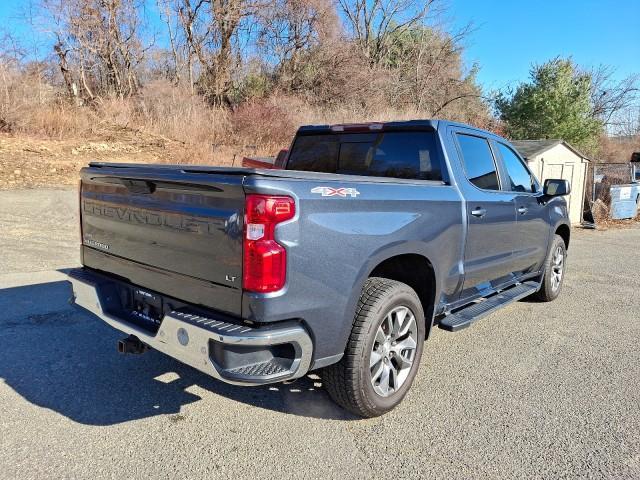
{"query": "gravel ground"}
[(535, 390)]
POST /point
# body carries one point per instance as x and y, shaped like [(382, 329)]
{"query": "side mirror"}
[(554, 187)]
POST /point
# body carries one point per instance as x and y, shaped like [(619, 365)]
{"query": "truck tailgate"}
[(166, 229)]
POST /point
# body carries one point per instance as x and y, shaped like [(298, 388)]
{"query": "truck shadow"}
[(62, 359)]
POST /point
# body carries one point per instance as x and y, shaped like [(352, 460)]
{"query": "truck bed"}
[(141, 170)]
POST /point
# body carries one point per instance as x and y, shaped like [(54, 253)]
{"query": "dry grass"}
[(618, 150), (46, 138), (197, 131), (604, 222), (30, 105), (171, 112)]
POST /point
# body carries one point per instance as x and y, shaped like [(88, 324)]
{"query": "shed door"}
[(567, 171)]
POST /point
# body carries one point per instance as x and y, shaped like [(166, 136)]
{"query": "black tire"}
[(349, 382), (550, 289)]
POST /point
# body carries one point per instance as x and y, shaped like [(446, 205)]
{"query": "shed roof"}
[(531, 148)]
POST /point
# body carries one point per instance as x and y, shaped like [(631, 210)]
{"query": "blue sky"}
[(509, 36)]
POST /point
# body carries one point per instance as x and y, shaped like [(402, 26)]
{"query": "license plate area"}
[(147, 305), (141, 307)]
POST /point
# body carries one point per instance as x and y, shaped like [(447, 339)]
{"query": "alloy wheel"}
[(393, 351)]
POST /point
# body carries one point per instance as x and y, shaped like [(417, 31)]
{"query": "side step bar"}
[(467, 315)]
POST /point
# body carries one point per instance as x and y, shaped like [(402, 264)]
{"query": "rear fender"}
[(386, 253)]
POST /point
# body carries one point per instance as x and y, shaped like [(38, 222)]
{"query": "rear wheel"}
[(383, 352), (554, 271)]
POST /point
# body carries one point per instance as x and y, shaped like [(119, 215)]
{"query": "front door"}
[(530, 249), (533, 234)]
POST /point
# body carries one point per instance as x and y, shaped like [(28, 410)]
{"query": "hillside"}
[(31, 162)]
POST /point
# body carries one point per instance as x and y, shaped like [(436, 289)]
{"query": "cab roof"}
[(426, 124)]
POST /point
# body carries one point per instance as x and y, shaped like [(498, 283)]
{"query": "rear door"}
[(490, 216), (530, 249), (168, 230)]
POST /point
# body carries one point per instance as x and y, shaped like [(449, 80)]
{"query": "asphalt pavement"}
[(532, 391)]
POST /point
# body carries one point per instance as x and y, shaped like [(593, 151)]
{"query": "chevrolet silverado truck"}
[(342, 261)]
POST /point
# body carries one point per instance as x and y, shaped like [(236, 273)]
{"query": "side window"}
[(519, 177), (478, 162)]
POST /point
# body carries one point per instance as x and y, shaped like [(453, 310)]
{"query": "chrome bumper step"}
[(237, 354)]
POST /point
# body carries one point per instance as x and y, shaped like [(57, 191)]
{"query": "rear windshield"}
[(383, 154)]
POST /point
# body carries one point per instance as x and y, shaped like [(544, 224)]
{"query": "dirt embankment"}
[(30, 162)]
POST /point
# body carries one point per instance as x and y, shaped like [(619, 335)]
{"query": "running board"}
[(467, 315)]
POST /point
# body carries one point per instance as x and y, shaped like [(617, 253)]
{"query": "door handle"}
[(478, 212), (522, 210)]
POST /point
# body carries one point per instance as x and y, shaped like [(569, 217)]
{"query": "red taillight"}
[(265, 260)]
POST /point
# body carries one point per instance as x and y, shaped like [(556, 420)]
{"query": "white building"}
[(558, 159)]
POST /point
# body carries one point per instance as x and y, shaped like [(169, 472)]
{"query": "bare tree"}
[(211, 30), (11, 55), (63, 63), (98, 44), (612, 99), (289, 29), (170, 18), (375, 23), (10, 48), (628, 123), (225, 21), (195, 33)]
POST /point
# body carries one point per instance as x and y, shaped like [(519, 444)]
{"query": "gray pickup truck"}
[(342, 262)]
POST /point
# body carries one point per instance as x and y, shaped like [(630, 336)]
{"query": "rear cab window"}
[(396, 154)]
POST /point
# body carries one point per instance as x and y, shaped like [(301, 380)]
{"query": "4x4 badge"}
[(333, 192)]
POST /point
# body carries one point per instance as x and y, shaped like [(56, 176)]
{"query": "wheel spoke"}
[(409, 321), (376, 372), (401, 362), (375, 358), (557, 268), (398, 323), (389, 322), (384, 379), (380, 336), (407, 344), (393, 324), (393, 378), (558, 258)]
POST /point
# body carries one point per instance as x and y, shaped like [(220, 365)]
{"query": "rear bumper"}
[(234, 353)]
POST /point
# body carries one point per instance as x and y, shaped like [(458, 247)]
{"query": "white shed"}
[(558, 159)]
